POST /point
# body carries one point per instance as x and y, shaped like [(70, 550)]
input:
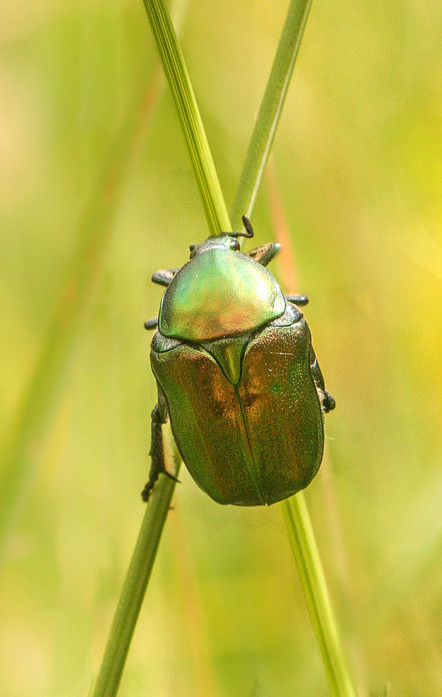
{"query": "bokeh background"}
[(96, 193)]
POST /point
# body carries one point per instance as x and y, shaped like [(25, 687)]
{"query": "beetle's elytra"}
[(237, 376)]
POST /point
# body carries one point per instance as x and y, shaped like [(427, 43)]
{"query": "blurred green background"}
[(91, 149)]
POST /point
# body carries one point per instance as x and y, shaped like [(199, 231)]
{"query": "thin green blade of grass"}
[(137, 579), (189, 115), (311, 572), (33, 417), (270, 110)]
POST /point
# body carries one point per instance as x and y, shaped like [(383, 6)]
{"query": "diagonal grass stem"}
[(189, 115), (94, 228), (314, 585), (270, 110), (135, 583)]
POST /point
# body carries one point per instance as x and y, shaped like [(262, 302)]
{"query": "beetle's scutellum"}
[(237, 376)]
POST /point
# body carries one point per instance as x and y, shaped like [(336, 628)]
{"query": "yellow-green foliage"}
[(356, 165)]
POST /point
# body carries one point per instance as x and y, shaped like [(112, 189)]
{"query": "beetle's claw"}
[(328, 402), (145, 494)]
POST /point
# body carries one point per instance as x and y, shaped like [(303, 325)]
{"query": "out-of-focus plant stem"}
[(39, 400)]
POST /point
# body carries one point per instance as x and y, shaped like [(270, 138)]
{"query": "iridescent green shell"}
[(219, 292)]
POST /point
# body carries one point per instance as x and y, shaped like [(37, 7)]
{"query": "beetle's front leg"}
[(327, 401), (264, 255), (158, 466)]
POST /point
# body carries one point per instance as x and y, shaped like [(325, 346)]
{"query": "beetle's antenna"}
[(248, 226)]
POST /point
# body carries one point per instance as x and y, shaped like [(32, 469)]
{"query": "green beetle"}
[(237, 376)]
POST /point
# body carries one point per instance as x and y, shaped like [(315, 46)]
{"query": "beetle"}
[(236, 375)]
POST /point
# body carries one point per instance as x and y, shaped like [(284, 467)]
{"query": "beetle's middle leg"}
[(299, 300), (151, 323), (164, 276), (327, 401), (158, 466)]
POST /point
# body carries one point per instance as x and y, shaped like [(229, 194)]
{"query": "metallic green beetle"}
[(237, 375)]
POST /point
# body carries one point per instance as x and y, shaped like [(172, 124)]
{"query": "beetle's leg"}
[(327, 401), (164, 276), (151, 323), (158, 466), (264, 255), (297, 299)]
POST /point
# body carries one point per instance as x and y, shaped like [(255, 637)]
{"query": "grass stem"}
[(311, 572), (189, 115), (34, 415), (134, 589), (270, 110)]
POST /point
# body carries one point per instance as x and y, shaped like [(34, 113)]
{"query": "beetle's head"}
[(226, 240), (222, 241)]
